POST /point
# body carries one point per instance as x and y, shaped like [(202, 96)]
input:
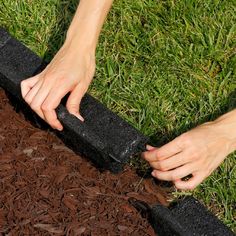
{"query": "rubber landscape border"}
[(187, 217)]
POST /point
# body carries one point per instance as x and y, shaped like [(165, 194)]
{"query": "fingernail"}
[(149, 147), (79, 117), (153, 173), (60, 128)]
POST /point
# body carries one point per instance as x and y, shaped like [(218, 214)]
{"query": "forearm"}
[(87, 23)]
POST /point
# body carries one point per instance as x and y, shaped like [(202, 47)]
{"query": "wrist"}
[(78, 43), (226, 124), (77, 46), (87, 23)]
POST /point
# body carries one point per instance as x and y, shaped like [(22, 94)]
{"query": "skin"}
[(197, 152), (72, 68)]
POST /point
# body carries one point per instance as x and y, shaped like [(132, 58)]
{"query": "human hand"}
[(197, 152), (70, 71)]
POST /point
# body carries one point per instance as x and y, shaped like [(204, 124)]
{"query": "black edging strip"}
[(103, 137), (188, 217)]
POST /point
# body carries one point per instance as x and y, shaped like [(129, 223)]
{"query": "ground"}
[(46, 189), (164, 66)]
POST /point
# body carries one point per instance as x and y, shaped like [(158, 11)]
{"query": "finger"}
[(27, 84), (74, 100), (150, 148), (51, 118), (32, 92), (51, 103), (150, 156), (171, 162), (190, 184), (175, 174), (163, 152), (170, 149), (38, 99)]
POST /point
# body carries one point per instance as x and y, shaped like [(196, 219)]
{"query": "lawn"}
[(164, 66)]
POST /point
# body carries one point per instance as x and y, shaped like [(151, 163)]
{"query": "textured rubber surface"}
[(104, 137), (187, 217)]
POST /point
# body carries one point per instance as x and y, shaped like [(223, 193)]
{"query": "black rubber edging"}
[(186, 217), (103, 137)]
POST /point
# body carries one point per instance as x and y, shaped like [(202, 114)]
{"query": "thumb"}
[(74, 100)]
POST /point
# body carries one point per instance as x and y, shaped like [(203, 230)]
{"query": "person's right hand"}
[(71, 70)]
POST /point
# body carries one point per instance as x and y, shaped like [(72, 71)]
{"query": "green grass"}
[(164, 66)]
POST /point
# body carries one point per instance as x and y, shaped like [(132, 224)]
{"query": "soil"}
[(46, 189)]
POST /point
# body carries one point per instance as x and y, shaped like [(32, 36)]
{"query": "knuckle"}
[(34, 106), (23, 83), (47, 77), (27, 100), (174, 176), (64, 78), (185, 139), (53, 78), (46, 107), (194, 156), (162, 166), (71, 107), (158, 155)]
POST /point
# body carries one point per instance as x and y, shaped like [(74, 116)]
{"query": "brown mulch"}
[(46, 189)]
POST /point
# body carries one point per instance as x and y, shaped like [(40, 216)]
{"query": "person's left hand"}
[(197, 152)]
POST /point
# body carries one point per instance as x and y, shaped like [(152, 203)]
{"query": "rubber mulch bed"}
[(46, 189)]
